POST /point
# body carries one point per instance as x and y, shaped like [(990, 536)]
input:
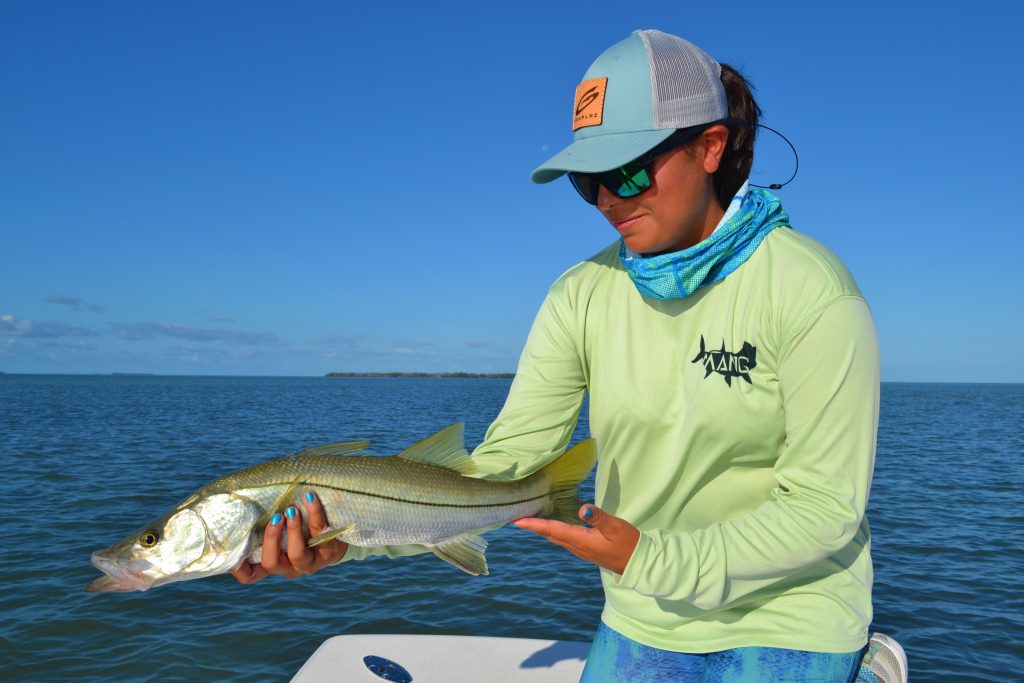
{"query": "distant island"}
[(459, 375)]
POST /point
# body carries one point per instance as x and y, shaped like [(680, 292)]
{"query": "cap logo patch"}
[(589, 108)]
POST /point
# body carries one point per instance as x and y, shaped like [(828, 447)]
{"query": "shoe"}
[(886, 659)]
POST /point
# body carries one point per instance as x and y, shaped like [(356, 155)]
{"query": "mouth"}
[(623, 226), (117, 580)]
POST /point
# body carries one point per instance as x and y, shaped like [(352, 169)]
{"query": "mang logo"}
[(728, 364)]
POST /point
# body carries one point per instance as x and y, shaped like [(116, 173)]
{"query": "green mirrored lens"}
[(627, 181)]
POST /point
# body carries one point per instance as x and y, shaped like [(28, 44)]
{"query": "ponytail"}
[(738, 158)]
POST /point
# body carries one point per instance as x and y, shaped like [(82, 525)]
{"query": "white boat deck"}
[(446, 659)]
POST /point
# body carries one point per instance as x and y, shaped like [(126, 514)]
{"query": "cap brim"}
[(599, 153)]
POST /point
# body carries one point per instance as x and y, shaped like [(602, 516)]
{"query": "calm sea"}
[(85, 460)]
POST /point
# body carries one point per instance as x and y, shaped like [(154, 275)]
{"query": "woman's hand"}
[(298, 559), (609, 542)]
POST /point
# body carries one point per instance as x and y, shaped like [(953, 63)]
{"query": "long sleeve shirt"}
[(735, 428)]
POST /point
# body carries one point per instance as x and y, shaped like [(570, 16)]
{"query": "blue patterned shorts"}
[(614, 657)]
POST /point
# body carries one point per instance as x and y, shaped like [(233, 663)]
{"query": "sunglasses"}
[(630, 179)]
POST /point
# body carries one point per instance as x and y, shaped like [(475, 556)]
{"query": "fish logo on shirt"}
[(728, 364)]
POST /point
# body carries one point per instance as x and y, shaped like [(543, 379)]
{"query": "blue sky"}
[(294, 188)]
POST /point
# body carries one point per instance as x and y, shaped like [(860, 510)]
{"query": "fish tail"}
[(566, 474)]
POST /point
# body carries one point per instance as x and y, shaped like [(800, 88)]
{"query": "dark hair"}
[(739, 151)]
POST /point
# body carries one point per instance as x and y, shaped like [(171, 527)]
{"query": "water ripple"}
[(94, 457)]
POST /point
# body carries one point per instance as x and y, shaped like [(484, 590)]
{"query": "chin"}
[(643, 247), (635, 245)]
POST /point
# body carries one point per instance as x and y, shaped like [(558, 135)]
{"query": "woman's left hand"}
[(608, 542)]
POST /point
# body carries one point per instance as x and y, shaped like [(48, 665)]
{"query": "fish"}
[(426, 495), (728, 364)]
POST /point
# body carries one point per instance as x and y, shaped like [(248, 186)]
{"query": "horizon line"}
[(399, 375)]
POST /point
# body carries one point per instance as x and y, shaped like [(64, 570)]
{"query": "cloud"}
[(415, 348), (223, 319), (477, 343), (335, 340), (208, 355), (73, 346), (26, 329), (140, 331), (74, 302)]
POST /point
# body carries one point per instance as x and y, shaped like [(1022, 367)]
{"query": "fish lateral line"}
[(418, 502)]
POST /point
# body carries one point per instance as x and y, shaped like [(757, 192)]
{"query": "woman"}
[(733, 374)]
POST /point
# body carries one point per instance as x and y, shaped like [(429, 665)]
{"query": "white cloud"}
[(26, 329), (139, 331)]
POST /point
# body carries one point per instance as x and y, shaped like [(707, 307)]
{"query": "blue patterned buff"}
[(679, 274)]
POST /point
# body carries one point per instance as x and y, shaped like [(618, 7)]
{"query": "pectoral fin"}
[(287, 495), (465, 552), (329, 535)]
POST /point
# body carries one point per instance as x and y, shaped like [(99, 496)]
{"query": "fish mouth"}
[(117, 579)]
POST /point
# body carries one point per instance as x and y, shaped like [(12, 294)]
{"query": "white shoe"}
[(886, 659)]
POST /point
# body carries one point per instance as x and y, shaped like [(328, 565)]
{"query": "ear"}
[(713, 142)]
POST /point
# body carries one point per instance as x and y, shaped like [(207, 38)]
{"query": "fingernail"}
[(588, 513), (275, 520), (291, 512), (309, 496)]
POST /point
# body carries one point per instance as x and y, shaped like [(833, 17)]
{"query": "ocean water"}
[(85, 460)]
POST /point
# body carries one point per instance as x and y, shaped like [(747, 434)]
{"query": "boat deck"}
[(445, 659)]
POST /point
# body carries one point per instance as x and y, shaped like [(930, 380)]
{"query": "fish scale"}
[(395, 502), (425, 496)]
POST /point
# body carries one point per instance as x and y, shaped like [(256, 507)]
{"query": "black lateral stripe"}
[(424, 503)]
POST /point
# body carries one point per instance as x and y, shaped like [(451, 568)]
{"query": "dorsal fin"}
[(344, 448), (507, 474), (443, 449)]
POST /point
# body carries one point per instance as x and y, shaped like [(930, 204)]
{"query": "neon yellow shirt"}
[(735, 428)]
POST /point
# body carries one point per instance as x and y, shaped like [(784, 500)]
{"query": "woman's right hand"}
[(297, 559)]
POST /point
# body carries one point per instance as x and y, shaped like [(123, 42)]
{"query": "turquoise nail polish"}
[(309, 496), (291, 512), (276, 519)]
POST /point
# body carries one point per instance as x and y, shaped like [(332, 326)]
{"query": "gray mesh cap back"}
[(636, 94), (686, 82)]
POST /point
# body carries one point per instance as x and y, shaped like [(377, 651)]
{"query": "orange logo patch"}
[(589, 107)]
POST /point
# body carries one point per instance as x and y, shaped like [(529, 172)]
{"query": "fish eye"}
[(149, 539)]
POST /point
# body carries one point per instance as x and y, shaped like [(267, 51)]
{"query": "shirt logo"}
[(589, 107), (728, 364)]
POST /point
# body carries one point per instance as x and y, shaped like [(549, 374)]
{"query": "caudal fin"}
[(566, 474)]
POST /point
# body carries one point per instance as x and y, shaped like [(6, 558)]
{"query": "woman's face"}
[(680, 208)]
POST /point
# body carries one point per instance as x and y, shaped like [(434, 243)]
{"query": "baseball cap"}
[(635, 95)]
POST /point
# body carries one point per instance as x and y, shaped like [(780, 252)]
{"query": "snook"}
[(423, 496)]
